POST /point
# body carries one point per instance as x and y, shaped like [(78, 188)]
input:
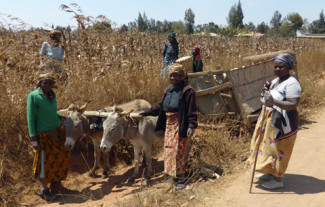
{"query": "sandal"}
[(265, 177), (46, 195)]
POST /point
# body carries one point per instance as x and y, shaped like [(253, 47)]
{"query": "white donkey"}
[(120, 125), (79, 124)]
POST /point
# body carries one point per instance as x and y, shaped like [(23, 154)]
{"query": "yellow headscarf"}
[(177, 68)]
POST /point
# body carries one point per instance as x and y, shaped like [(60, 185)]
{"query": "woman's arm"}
[(191, 109), (31, 115), (164, 50), (288, 105)]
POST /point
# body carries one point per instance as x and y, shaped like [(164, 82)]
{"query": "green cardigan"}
[(197, 65), (41, 114)]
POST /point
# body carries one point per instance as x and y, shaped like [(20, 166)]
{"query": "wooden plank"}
[(105, 114), (226, 95), (209, 126), (211, 104), (247, 85), (203, 82), (207, 73), (213, 89), (263, 57)]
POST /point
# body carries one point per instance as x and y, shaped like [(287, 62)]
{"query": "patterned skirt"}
[(175, 149), (51, 161), (273, 156)]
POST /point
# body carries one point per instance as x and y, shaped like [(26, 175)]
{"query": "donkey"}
[(119, 125), (78, 125)]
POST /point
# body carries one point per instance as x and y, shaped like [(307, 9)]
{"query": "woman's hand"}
[(35, 143), (268, 98), (190, 132)]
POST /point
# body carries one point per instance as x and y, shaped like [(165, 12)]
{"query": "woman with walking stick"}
[(277, 126)]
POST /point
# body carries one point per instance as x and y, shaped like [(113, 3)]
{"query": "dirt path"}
[(304, 181), (88, 191)]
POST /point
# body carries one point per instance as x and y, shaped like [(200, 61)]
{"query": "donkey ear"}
[(83, 108), (71, 107), (117, 109)]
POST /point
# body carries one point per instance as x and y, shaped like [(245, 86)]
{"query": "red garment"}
[(197, 50)]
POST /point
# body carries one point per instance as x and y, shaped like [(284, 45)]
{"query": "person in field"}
[(280, 126), (177, 115), (197, 61), (170, 52), (51, 159), (51, 52), (52, 55)]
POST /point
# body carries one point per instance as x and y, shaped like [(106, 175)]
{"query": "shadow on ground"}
[(299, 184)]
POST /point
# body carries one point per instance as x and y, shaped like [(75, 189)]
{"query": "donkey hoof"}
[(104, 176), (130, 180), (91, 174)]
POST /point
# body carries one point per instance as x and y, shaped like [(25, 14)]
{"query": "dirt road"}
[(304, 181)]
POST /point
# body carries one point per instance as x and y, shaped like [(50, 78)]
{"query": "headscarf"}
[(55, 36), (177, 68), (197, 50), (172, 35), (45, 76), (285, 58)]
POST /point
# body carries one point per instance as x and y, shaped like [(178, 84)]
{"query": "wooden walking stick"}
[(257, 148)]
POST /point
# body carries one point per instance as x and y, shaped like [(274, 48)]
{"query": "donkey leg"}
[(149, 162), (91, 173), (106, 164), (144, 161), (137, 151)]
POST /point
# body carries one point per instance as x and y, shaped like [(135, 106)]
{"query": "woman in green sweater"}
[(51, 160)]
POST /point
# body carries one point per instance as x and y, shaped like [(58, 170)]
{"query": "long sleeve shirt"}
[(42, 115), (187, 111), (197, 65), (52, 52)]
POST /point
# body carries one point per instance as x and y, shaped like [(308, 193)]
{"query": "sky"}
[(44, 13)]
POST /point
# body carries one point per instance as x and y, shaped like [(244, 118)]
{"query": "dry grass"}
[(110, 68)]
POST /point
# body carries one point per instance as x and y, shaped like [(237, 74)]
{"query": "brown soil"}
[(304, 180), (82, 190)]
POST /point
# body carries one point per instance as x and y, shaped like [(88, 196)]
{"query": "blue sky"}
[(40, 13)]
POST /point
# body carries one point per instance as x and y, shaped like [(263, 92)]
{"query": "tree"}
[(286, 30), (304, 28), (239, 16), (199, 28), (276, 20), (236, 16), (102, 26), (189, 20), (141, 22), (159, 26), (152, 25), (132, 25), (250, 27), (124, 28), (294, 22), (318, 26), (262, 28), (179, 27)]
